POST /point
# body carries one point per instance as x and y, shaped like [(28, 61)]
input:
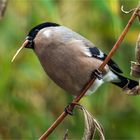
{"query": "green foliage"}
[(30, 101)]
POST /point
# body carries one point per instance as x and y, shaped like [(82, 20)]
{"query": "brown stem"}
[(77, 99)]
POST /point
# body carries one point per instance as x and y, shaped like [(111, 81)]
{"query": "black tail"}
[(125, 82)]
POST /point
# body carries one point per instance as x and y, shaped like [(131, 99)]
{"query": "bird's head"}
[(29, 40)]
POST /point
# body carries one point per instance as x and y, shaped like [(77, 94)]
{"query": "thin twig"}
[(77, 99), (127, 12)]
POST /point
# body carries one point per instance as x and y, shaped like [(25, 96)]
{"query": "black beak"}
[(25, 44)]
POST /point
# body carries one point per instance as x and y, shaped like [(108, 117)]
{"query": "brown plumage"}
[(70, 59), (71, 68)]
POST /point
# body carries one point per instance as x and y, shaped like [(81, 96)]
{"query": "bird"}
[(70, 59)]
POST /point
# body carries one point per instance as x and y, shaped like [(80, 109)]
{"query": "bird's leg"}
[(98, 74), (68, 109)]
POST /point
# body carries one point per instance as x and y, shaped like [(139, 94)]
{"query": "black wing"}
[(100, 55)]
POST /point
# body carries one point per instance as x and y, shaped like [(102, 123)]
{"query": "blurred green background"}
[(30, 101)]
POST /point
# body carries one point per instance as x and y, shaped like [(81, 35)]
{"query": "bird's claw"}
[(68, 110), (97, 73)]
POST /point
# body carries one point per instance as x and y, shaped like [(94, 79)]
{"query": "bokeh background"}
[(30, 101)]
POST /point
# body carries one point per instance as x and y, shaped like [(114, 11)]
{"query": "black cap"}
[(33, 32)]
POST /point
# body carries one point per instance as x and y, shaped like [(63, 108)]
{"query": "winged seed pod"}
[(137, 51), (135, 66), (3, 5)]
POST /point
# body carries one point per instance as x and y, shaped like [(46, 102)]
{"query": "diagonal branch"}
[(77, 99)]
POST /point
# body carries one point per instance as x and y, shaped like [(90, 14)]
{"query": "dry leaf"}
[(91, 125), (133, 92), (3, 4), (66, 135), (137, 49)]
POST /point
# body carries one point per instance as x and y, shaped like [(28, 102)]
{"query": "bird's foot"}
[(97, 73), (69, 108)]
